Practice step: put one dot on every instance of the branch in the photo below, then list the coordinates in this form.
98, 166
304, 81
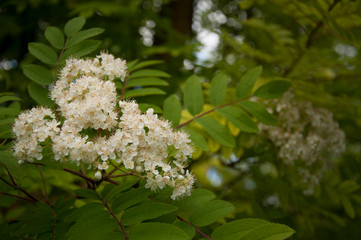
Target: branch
44, 186
115, 217
17, 187
79, 175
195, 228
19, 197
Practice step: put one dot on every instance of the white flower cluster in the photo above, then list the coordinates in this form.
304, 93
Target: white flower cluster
307, 137
87, 100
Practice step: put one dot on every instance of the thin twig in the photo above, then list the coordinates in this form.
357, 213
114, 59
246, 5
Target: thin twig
79, 175
17, 196
115, 217
111, 181
195, 228
54, 223
123, 87
120, 175
17, 187
44, 186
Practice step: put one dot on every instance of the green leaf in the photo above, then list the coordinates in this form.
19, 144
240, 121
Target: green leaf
38, 74
209, 212
9, 98
145, 106
217, 131
217, 91
198, 197
6, 121
144, 64
151, 81
81, 49
260, 112
251, 229
43, 53
87, 193
348, 186
130, 198
346, 203
9, 111
239, 119
189, 230
157, 231
40, 94
193, 95
273, 89
247, 82
55, 37
125, 183
82, 35
172, 110
197, 139
146, 211
132, 63
74, 25
143, 92
149, 73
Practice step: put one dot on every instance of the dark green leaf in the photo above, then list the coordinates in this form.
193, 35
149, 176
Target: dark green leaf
149, 73
6, 121
87, 193
130, 198
247, 82
189, 230
172, 110
125, 183
55, 37
217, 131
144, 64
198, 197
40, 94
209, 212
198, 140
74, 25
81, 49
239, 119
9, 111
273, 89
347, 205
9, 98
146, 211
157, 231
43, 53
38, 74
151, 81
217, 91
143, 92
82, 35
193, 95
260, 112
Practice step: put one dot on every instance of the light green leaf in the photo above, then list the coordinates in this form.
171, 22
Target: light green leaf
143, 92
157, 231
132, 63
193, 95
144, 64
9, 98
82, 35
87, 193
38, 74
239, 119
74, 25
40, 94
145, 106
149, 73
252, 229
217, 131
260, 112
43, 53
218, 88
197, 139
172, 110
151, 81
247, 82
273, 89
55, 37
81, 49
146, 211
210, 212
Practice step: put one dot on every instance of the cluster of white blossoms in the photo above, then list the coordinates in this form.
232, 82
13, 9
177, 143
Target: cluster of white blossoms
307, 137
87, 100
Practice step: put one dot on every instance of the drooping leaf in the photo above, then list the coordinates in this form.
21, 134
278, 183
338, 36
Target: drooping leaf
260, 112
143, 92
38, 74
198, 197
247, 82
82, 35
157, 231
239, 119
149, 73
146, 211
40, 94
273, 89
209, 212
197, 139
44, 53
130, 198
172, 110
217, 131
254, 229
149, 81
217, 91
144, 64
74, 25
193, 95
55, 37
81, 49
